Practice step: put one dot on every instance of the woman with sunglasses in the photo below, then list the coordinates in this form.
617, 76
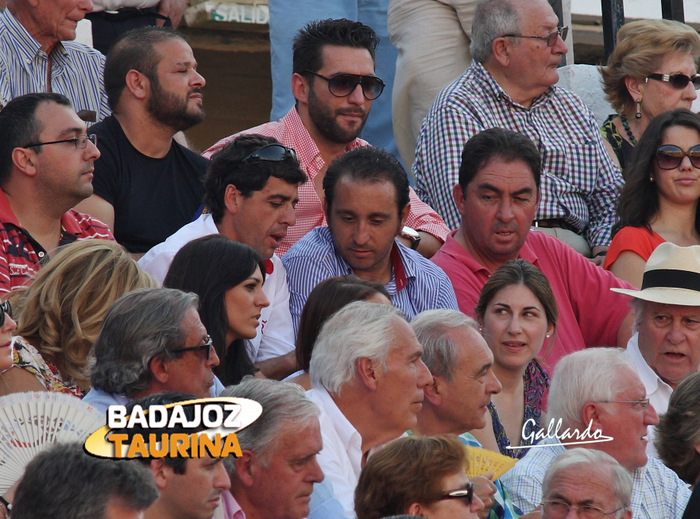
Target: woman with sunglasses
659, 201
228, 277
421, 476
61, 312
653, 69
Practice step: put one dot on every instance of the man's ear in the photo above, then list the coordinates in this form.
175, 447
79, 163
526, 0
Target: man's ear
137, 83
161, 473
231, 195
25, 160
415, 509
246, 467
433, 392
300, 88
500, 51
367, 372
591, 414
404, 214
159, 369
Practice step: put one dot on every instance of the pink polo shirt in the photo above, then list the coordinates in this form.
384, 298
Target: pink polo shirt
589, 313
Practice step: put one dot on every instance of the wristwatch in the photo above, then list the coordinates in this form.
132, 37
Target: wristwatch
411, 235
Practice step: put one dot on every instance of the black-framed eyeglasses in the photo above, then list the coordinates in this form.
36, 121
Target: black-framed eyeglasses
5, 309
557, 509
550, 39
80, 142
272, 153
342, 85
670, 156
466, 494
679, 81
206, 347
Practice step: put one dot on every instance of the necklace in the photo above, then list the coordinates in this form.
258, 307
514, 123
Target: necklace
626, 126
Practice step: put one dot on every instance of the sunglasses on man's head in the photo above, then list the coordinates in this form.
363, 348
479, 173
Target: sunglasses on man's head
670, 156
678, 81
342, 85
271, 153
5, 309
466, 494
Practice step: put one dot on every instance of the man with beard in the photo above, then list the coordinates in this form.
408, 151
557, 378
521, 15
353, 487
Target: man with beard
332, 58
147, 185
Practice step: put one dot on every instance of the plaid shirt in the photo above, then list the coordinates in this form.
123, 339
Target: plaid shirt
291, 132
657, 492
580, 182
76, 69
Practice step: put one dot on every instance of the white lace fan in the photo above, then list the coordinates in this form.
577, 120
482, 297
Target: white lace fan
34, 421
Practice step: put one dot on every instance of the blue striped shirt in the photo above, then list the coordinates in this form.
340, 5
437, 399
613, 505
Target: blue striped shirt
76, 69
579, 180
314, 258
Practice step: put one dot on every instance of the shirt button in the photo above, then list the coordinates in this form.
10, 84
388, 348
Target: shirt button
41, 254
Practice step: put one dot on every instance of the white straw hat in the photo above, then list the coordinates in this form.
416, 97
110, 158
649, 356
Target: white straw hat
671, 276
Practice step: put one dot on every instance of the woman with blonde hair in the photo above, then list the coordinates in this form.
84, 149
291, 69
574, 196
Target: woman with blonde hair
60, 314
652, 70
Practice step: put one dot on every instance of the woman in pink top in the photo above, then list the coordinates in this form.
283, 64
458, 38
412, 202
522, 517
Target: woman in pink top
660, 198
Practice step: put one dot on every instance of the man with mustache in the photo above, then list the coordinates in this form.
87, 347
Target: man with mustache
250, 192
334, 86
147, 185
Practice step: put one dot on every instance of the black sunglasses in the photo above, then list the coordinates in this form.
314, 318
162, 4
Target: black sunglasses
679, 81
670, 156
5, 308
272, 153
550, 39
206, 347
342, 85
466, 494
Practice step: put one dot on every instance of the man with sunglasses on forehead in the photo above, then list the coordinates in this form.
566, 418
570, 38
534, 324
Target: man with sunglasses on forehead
517, 48
334, 85
147, 185
250, 192
46, 167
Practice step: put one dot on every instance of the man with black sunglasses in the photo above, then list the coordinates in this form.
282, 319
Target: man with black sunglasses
517, 47
334, 85
147, 185
46, 167
250, 193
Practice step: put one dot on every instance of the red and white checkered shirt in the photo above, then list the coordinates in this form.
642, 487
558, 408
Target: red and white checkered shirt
291, 132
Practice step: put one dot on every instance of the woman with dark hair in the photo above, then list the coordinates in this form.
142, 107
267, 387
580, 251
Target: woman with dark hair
517, 313
325, 299
660, 198
228, 277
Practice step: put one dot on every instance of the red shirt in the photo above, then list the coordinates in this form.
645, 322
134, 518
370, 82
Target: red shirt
589, 313
20, 254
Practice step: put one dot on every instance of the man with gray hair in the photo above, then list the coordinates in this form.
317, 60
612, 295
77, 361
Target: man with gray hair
276, 472
65, 482
152, 340
517, 47
588, 481
598, 400
367, 377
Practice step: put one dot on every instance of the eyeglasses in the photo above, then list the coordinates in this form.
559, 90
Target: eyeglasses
558, 509
670, 156
79, 142
342, 85
206, 347
272, 153
551, 38
5, 309
637, 404
679, 81
466, 494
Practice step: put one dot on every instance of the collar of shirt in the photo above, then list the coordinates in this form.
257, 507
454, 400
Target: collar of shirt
497, 91
24, 44
348, 435
657, 390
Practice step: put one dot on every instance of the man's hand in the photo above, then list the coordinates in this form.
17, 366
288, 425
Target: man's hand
173, 9
485, 490
598, 254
